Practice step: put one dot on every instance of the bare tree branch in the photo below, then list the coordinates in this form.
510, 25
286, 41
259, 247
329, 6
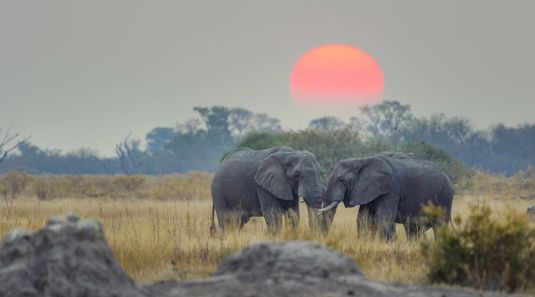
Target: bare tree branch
127, 155
8, 143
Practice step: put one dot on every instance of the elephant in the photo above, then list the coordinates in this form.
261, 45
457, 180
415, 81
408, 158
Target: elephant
269, 183
390, 188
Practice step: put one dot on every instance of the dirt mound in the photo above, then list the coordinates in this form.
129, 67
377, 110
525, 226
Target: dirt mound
70, 257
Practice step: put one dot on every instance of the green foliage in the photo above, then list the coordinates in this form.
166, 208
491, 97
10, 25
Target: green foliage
329, 146
453, 168
484, 252
434, 213
263, 140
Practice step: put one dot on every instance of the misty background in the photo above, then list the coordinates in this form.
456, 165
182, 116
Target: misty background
88, 74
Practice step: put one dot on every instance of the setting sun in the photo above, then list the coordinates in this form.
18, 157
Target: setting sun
336, 73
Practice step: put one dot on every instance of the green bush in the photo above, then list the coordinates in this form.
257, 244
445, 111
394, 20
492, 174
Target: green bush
484, 252
262, 140
329, 146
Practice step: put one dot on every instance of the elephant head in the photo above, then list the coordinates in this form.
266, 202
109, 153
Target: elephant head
290, 175
356, 182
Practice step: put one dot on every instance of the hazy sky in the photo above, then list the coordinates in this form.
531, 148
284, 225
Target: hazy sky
85, 73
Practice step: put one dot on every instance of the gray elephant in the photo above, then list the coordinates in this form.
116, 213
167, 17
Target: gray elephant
266, 183
390, 188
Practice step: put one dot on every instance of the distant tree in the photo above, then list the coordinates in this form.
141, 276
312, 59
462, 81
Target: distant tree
217, 125
157, 138
28, 149
129, 155
514, 146
326, 123
198, 143
387, 119
243, 121
8, 142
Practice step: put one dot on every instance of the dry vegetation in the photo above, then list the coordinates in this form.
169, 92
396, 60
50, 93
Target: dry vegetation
158, 227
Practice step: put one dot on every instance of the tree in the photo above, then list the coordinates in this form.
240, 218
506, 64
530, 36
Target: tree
243, 121
387, 119
157, 138
326, 123
8, 142
129, 155
217, 126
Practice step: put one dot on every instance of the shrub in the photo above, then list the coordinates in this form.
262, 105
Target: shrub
52, 187
129, 183
13, 184
329, 146
484, 252
262, 140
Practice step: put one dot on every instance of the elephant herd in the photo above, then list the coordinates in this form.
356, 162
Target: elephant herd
388, 187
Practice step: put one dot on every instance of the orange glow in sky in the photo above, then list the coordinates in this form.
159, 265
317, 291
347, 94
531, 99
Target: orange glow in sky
336, 73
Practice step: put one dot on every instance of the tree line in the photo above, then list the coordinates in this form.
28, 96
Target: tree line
200, 142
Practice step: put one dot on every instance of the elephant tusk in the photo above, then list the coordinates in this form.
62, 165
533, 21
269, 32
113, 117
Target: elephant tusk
301, 199
330, 206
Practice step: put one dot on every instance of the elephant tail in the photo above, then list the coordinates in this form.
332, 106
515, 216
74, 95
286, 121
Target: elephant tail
212, 226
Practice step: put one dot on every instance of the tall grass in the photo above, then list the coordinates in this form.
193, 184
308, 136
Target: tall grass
163, 233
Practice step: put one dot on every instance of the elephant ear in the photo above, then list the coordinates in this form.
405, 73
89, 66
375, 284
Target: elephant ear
374, 180
271, 176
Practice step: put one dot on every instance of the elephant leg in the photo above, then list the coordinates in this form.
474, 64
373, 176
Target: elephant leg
231, 219
411, 231
385, 209
273, 220
224, 219
272, 211
414, 229
365, 222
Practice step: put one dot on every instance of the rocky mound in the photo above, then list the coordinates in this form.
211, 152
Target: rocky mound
70, 257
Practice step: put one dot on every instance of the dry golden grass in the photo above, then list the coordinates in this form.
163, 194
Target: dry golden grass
169, 239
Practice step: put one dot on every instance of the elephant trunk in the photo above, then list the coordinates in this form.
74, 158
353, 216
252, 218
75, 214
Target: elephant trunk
311, 192
333, 196
327, 218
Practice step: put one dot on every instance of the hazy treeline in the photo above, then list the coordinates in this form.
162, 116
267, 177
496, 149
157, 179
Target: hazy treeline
499, 148
196, 144
199, 143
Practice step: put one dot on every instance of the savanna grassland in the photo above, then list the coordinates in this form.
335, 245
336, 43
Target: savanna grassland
158, 227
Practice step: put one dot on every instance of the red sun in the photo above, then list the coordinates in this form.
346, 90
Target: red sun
336, 73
